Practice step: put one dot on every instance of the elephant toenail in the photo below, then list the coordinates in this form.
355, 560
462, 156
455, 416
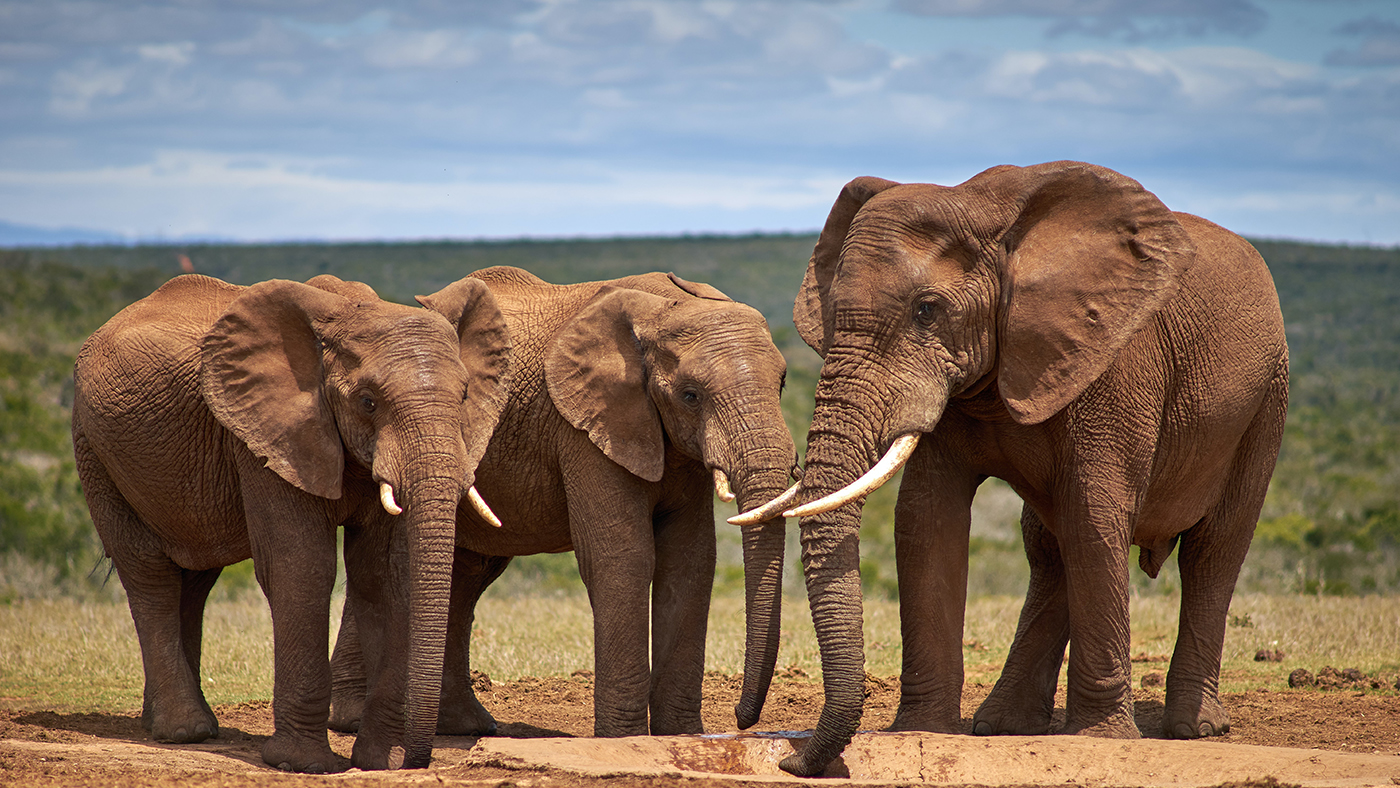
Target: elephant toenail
284, 766
1184, 730
982, 728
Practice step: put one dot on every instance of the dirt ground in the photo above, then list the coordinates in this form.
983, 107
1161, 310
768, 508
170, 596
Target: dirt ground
44, 748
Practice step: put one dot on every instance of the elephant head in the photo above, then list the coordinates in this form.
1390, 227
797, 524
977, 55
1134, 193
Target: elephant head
1025, 281
310, 376
693, 369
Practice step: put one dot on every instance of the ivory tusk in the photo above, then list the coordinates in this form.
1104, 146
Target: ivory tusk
479, 504
386, 498
767, 511
888, 466
722, 486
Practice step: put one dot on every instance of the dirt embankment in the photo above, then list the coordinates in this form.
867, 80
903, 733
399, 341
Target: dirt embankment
1354, 732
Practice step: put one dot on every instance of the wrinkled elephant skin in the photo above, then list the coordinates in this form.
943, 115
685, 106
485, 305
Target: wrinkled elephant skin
1121, 366
213, 423
629, 400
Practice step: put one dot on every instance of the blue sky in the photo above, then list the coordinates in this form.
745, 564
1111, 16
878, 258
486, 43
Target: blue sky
302, 119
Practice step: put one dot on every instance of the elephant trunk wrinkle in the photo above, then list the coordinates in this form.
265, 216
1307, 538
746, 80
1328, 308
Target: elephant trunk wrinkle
430, 567
764, 545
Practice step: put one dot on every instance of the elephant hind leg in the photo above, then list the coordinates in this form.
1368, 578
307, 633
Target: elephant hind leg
460, 712
349, 684
1210, 557
173, 708
195, 586
1023, 699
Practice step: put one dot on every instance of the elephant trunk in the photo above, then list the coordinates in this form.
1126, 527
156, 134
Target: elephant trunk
428, 487
764, 547
431, 542
841, 446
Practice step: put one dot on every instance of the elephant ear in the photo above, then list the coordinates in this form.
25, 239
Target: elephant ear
812, 312
355, 291
699, 289
596, 374
261, 374
470, 305
1090, 256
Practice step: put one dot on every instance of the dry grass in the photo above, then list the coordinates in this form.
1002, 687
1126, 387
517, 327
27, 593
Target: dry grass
66, 654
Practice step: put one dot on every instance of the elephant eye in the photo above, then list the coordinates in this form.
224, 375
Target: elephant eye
367, 402
690, 396
466, 394
926, 313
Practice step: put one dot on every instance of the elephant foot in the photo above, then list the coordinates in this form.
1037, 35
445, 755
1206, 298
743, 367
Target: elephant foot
1119, 725
468, 718
194, 725
677, 727
926, 717
376, 754
1209, 720
994, 719
305, 755
346, 713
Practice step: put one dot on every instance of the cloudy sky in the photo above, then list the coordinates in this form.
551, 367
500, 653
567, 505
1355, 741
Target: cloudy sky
350, 119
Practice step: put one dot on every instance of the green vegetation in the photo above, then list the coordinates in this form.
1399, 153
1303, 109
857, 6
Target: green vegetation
1331, 525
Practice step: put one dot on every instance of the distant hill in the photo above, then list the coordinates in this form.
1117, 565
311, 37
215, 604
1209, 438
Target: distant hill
1331, 523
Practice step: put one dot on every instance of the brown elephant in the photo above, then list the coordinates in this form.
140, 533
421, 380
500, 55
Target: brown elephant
1121, 366
630, 402
213, 423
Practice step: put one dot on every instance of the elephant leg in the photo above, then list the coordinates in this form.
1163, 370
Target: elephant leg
367, 666
294, 560
933, 519
173, 708
349, 685
611, 528
1023, 699
1210, 556
1099, 695
460, 713
680, 609
195, 586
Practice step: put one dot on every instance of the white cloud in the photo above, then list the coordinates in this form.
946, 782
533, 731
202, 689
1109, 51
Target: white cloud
75, 89
177, 54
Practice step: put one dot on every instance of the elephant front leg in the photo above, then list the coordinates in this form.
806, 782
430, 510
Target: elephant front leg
296, 569
612, 534
1023, 699
680, 607
460, 712
1099, 695
932, 524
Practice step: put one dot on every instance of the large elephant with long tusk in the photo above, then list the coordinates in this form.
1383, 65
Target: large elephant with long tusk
213, 423
634, 402
1121, 366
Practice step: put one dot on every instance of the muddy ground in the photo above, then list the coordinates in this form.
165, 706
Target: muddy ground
45, 748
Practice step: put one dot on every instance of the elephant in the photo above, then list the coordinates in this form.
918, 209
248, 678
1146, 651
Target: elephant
630, 400
1121, 366
214, 422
